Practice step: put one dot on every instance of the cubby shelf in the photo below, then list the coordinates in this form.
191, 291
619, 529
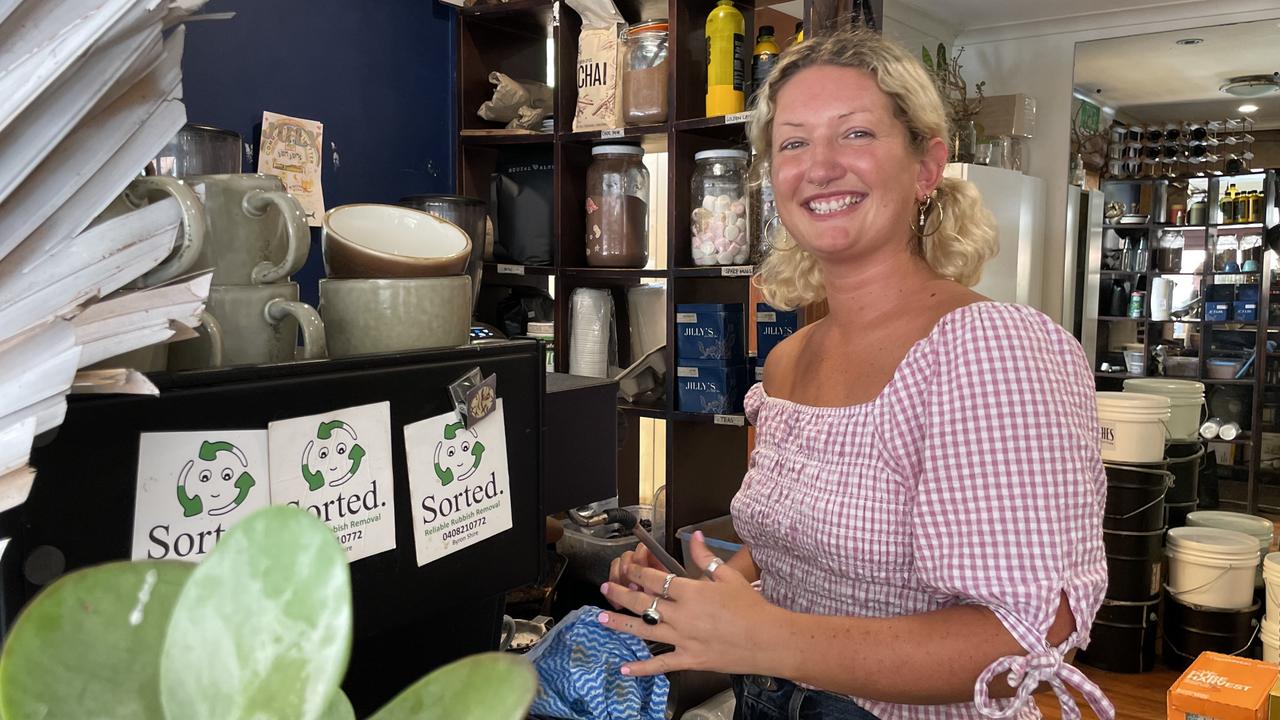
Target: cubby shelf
706, 455
1214, 338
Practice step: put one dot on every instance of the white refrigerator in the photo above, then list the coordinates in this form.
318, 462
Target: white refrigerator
1018, 203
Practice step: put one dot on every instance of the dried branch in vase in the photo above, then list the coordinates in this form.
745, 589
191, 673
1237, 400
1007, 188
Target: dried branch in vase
952, 86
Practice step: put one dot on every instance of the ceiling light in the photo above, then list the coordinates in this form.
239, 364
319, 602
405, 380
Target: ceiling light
1251, 86
1247, 108
1188, 41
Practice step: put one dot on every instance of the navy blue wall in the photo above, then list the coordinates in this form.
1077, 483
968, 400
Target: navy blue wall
378, 73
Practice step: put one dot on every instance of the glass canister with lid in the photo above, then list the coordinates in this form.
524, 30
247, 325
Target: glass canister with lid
718, 197
617, 207
645, 78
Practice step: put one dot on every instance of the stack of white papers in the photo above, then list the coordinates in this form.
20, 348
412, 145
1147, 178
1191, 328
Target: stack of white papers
90, 91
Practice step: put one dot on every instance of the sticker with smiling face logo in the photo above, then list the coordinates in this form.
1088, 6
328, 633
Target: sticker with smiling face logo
459, 454
216, 482
333, 454
338, 466
194, 486
459, 482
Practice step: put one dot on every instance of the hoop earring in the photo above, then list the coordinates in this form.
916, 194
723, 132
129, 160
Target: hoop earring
775, 233
924, 210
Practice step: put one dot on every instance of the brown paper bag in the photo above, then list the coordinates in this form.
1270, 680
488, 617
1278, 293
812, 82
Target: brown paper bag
599, 81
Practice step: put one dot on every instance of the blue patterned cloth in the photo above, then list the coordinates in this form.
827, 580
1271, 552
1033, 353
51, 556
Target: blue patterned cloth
578, 666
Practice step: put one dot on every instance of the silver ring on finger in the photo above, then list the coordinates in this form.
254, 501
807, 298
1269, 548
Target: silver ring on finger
666, 586
713, 566
651, 616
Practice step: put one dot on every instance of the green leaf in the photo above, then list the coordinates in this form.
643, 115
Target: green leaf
926, 57
89, 645
339, 708
942, 58
263, 628
489, 686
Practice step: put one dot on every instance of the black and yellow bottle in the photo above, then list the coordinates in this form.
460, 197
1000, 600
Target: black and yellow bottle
799, 33
763, 58
726, 60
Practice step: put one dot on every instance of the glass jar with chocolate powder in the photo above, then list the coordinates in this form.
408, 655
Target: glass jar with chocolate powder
617, 207
644, 78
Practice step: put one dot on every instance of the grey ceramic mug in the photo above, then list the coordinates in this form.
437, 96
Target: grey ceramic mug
191, 235
257, 232
371, 316
259, 326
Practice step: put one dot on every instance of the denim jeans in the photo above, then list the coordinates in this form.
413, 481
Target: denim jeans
766, 698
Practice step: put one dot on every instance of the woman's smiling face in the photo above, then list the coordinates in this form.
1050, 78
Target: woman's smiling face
845, 177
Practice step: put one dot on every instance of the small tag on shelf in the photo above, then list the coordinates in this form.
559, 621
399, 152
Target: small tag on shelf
760, 374
735, 420
738, 117
612, 133
737, 270
766, 317
510, 269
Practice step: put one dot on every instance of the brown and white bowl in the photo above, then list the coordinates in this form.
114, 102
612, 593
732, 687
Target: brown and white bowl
389, 241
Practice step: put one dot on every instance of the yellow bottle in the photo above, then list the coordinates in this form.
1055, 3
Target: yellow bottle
726, 60
799, 33
763, 58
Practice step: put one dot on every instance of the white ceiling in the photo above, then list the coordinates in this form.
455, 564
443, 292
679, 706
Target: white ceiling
973, 14
1150, 78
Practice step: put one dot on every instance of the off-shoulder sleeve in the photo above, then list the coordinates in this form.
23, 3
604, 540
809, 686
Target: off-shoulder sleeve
1011, 491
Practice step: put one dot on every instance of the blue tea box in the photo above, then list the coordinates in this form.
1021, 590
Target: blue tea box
1247, 292
1217, 311
708, 386
772, 327
706, 331
1245, 311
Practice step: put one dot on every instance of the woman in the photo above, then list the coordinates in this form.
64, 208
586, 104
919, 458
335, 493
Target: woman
923, 505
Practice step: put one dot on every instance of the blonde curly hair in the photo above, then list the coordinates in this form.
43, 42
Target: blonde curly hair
790, 277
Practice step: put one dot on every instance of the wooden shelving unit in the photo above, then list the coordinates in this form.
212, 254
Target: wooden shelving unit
706, 454
1215, 338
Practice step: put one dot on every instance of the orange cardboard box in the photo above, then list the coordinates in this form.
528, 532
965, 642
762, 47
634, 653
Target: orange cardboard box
1223, 687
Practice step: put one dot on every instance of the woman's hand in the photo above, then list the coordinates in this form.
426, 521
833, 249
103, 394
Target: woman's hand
712, 625
620, 568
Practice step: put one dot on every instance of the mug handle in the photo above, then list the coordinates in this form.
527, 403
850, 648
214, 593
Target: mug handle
213, 329
314, 345
193, 226
255, 205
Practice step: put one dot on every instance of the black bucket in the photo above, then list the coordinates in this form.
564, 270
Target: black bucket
1192, 629
1133, 565
1175, 514
1135, 497
1184, 460
1123, 638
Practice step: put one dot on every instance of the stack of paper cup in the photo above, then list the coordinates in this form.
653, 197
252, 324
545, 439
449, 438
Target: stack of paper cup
591, 321
1270, 630
647, 311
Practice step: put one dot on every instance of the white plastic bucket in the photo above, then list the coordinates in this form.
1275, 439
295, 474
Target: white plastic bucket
1271, 575
1186, 401
1212, 567
1251, 525
1132, 426
1270, 634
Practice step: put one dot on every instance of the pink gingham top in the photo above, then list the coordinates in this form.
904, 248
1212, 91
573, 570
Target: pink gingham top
973, 478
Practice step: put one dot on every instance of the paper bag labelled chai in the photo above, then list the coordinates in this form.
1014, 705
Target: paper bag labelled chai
599, 68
